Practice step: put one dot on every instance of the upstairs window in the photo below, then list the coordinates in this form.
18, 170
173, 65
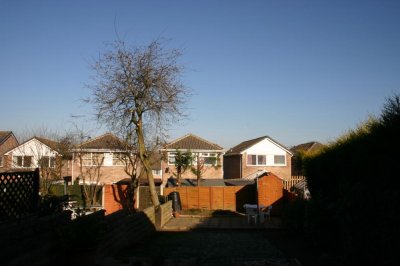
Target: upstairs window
1, 161
279, 160
256, 159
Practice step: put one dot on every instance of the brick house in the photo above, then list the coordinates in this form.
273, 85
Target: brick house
100, 160
261, 154
209, 153
40, 153
7, 142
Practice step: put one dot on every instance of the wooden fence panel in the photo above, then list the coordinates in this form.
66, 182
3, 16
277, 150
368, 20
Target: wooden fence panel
208, 198
205, 198
288, 184
217, 198
192, 197
230, 198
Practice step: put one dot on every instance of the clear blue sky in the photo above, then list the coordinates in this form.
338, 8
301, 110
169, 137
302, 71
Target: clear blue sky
294, 70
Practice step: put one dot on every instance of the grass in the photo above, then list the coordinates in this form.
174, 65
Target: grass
211, 247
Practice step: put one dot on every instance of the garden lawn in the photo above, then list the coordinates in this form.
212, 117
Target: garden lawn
210, 247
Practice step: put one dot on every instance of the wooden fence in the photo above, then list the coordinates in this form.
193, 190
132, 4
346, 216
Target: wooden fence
215, 198
19, 194
288, 184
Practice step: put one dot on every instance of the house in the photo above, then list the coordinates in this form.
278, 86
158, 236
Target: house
301, 149
260, 154
7, 142
34, 153
101, 160
209, 154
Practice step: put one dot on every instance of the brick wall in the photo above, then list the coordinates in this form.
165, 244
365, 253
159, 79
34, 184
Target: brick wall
270, 189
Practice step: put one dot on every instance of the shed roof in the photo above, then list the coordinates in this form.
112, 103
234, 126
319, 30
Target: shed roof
192, 142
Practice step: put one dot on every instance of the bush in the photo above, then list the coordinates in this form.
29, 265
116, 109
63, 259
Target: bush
353, 192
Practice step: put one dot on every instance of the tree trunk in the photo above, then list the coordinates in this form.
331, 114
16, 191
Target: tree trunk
144, 158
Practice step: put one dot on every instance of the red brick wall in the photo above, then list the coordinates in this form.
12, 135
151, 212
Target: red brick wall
9, 144
270, 189
113, 198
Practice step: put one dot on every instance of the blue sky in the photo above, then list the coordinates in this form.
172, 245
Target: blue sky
294, 70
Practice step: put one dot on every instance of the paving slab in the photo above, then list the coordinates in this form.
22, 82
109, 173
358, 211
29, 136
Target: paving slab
185, 223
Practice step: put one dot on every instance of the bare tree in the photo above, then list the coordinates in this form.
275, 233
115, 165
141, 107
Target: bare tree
138, 90
201, 165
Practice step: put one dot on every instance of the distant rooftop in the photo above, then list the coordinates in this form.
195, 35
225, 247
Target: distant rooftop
192, 142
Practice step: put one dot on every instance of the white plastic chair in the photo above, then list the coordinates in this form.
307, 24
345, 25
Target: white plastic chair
266, 214
251, 212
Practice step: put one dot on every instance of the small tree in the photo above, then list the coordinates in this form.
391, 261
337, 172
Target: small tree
200, 165
183, 161
139, 89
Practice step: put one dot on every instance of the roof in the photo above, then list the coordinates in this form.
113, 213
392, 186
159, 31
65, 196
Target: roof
249, 143
192, 142
107, 141
54, 145
4, 135
309, 146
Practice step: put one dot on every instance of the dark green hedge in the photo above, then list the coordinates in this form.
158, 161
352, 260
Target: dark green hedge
355, 191
75, 193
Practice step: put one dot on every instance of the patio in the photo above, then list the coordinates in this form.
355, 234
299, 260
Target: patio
189, 222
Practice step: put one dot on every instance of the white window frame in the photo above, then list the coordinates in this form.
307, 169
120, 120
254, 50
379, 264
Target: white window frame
22, 161
51, 158
156, 172
278, 164
171, 155
257, 164
91, 159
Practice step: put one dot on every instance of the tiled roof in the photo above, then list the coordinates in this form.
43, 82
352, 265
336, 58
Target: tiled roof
248, 143
309, 146
54, 145
107, 141
4, 135
192, 142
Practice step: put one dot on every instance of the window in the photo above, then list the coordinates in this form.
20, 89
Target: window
279, 159
47, 161
209, 158
171, 158
86, 159
156, 172
22, 161
1, 161
256, 159
92, 159
97, 158
119, 159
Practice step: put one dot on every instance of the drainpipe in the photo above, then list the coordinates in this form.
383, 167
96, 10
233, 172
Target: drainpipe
72, 169
258, 204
